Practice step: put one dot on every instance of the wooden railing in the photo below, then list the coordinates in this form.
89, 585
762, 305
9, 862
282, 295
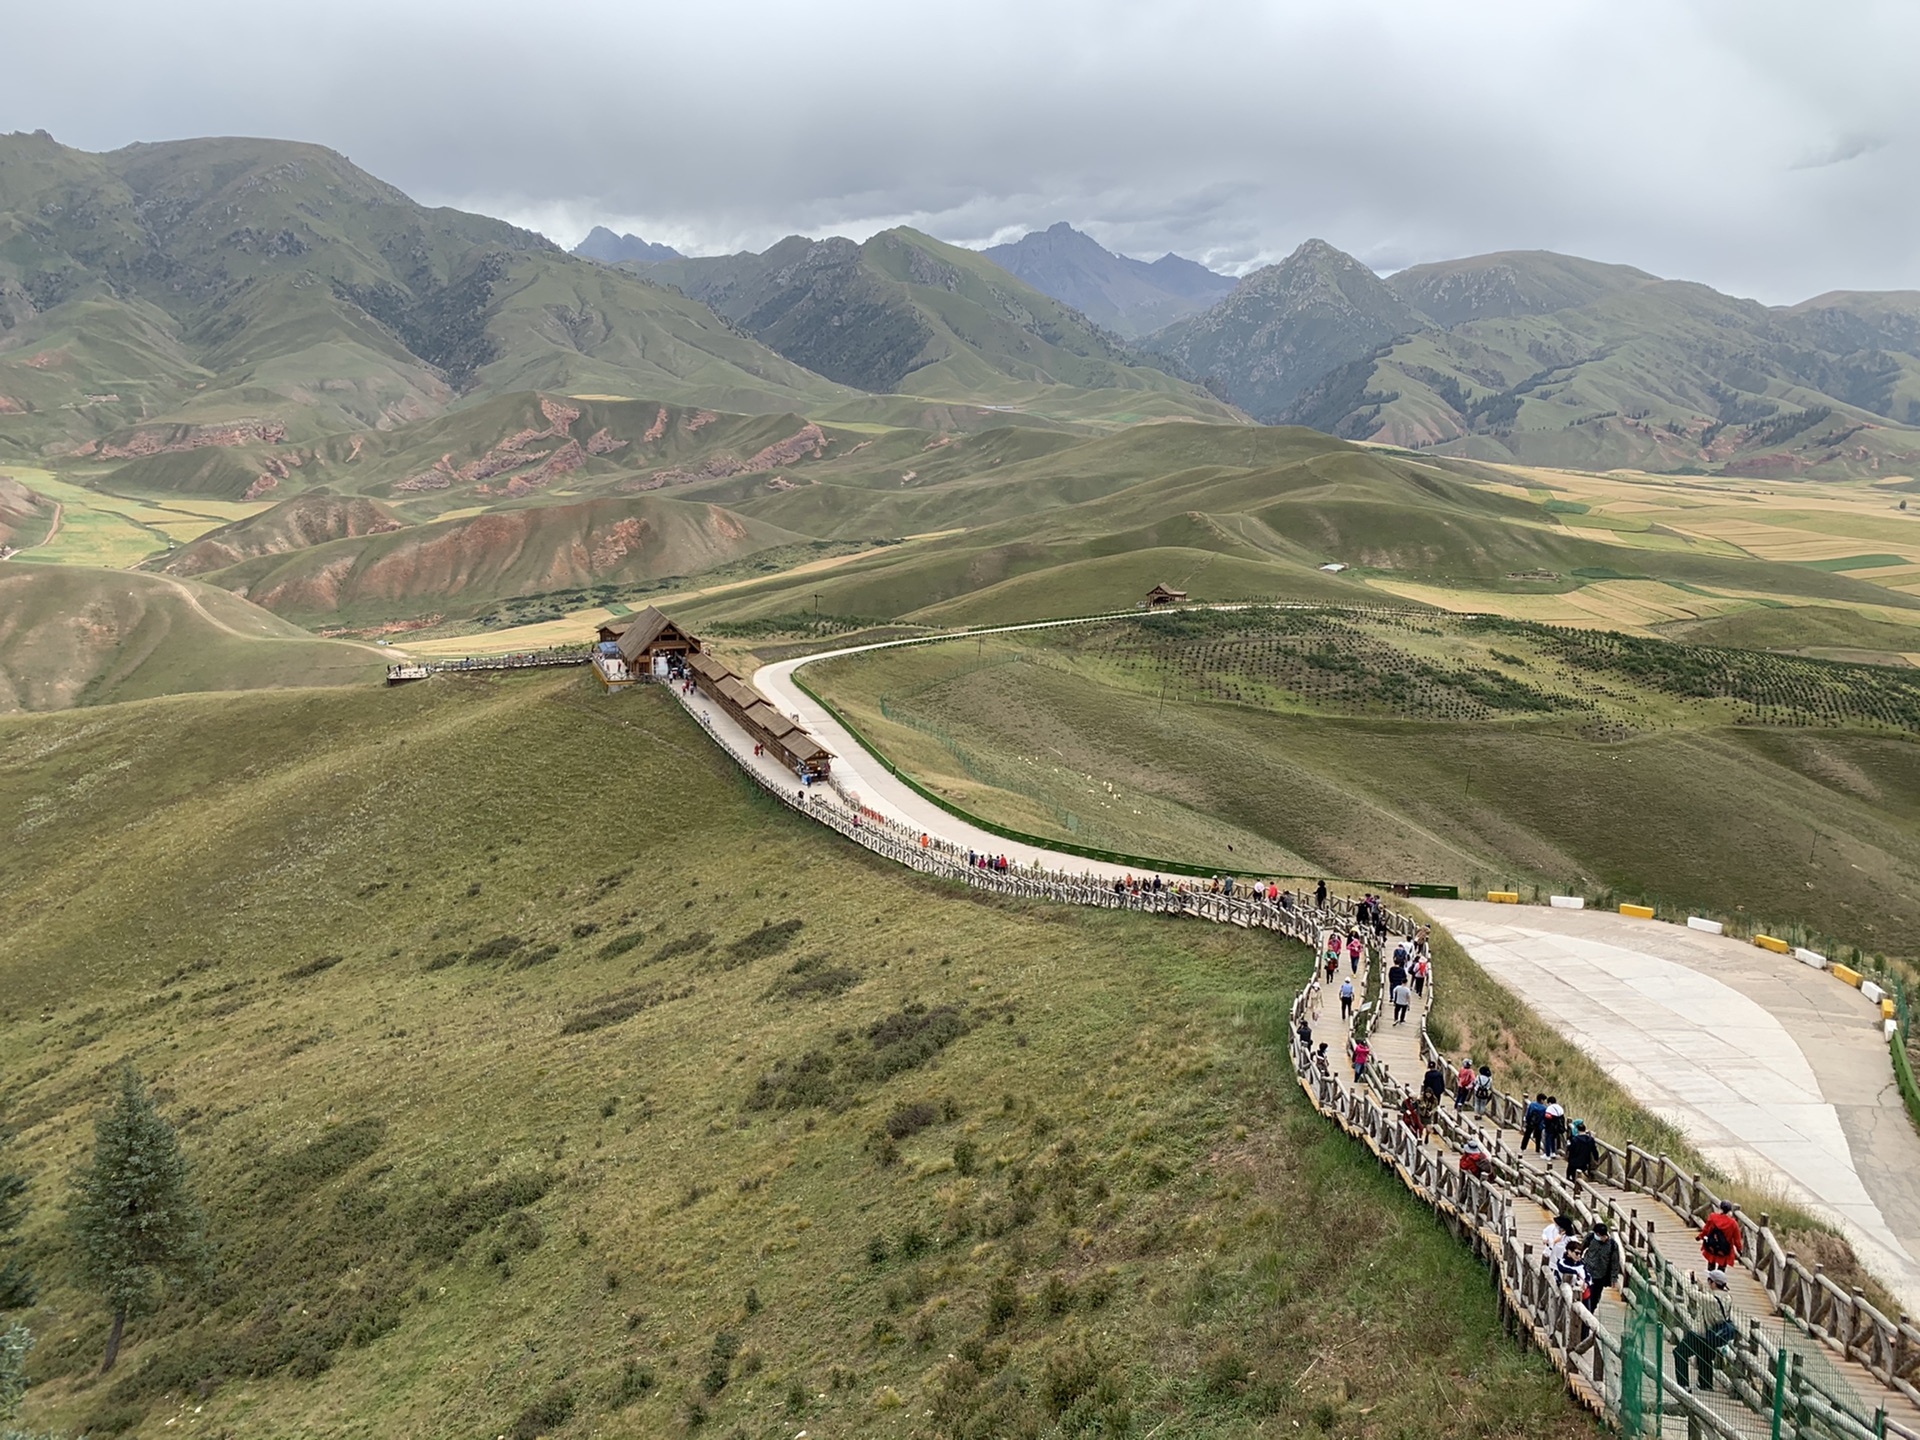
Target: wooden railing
1843, 1319
1481, 1210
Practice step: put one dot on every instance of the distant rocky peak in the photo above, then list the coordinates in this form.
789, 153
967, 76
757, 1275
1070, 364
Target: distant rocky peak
610, 249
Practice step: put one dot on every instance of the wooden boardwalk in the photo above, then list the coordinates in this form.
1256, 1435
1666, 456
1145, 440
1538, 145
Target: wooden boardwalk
1832, 1369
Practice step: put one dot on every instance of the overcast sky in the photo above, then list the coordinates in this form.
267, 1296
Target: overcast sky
1770, 149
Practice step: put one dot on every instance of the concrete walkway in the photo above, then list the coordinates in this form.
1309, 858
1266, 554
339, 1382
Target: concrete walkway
858, 773
1776, 1072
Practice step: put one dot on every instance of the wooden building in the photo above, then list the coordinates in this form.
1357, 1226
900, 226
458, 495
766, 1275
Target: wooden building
1164, 595
650, 643
781, 737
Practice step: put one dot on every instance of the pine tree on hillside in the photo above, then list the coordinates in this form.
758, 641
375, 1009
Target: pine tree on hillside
134, 1215
17, 1289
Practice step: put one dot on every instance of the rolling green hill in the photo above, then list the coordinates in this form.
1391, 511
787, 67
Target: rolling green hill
906, 313
477, 1003
1241, 514
1765, 789
75, 636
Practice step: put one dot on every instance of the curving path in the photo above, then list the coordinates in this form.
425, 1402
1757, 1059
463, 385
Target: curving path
1775, 1071
864, 778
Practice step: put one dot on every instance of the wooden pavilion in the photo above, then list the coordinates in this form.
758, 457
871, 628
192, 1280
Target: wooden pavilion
650, 642
1164, 595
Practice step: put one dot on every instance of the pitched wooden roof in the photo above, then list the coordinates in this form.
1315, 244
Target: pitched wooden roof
649, 626
1166, 592
738, 693
770, 720
710, 667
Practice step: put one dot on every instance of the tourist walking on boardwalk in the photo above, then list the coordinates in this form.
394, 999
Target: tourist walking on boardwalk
1402, 999
1353, 951
1602, 1258
1583, 1152
1463, 1086
1346, 999
1435, 1084
1554, 1237
1553, 1127
1533, 1122
1483, 1090
1710, 1329
1362, 1055
1720, 1243
1320, 895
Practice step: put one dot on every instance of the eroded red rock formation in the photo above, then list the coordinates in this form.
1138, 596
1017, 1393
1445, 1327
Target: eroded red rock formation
178, 438
808, 440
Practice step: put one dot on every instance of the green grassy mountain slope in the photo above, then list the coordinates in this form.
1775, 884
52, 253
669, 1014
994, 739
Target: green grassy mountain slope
1130, 297
464, 997
215, 282
1431, 748
76, 636
904, 312
1286, 326
1521, 282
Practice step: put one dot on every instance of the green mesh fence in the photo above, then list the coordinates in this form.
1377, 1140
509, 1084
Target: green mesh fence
1642, 1365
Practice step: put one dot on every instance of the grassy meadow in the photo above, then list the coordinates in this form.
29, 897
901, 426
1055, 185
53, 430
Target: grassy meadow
540, 1078
1771, 789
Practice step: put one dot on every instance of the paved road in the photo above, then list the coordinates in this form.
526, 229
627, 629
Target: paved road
1775, 1071
860, 774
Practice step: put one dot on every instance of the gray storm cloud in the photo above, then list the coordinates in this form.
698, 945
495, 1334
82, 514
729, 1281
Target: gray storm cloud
1770, 149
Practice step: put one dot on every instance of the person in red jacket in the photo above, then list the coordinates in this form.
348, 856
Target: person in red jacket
1720, 1243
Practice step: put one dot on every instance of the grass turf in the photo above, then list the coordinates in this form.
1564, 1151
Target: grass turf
465, 997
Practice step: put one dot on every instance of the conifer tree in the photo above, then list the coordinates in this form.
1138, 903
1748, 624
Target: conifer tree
135, 1219
17, 1289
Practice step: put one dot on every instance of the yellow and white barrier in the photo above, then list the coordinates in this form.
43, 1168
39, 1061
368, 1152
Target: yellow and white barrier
1851, 977
1712, 927
1504, 897
1638, 912
1810, 957
1567, 902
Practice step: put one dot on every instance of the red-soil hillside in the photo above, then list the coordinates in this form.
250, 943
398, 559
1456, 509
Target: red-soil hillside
481, 558
296, 524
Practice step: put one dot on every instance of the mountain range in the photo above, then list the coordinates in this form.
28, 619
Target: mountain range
1551, 359
905, 313
240, 294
